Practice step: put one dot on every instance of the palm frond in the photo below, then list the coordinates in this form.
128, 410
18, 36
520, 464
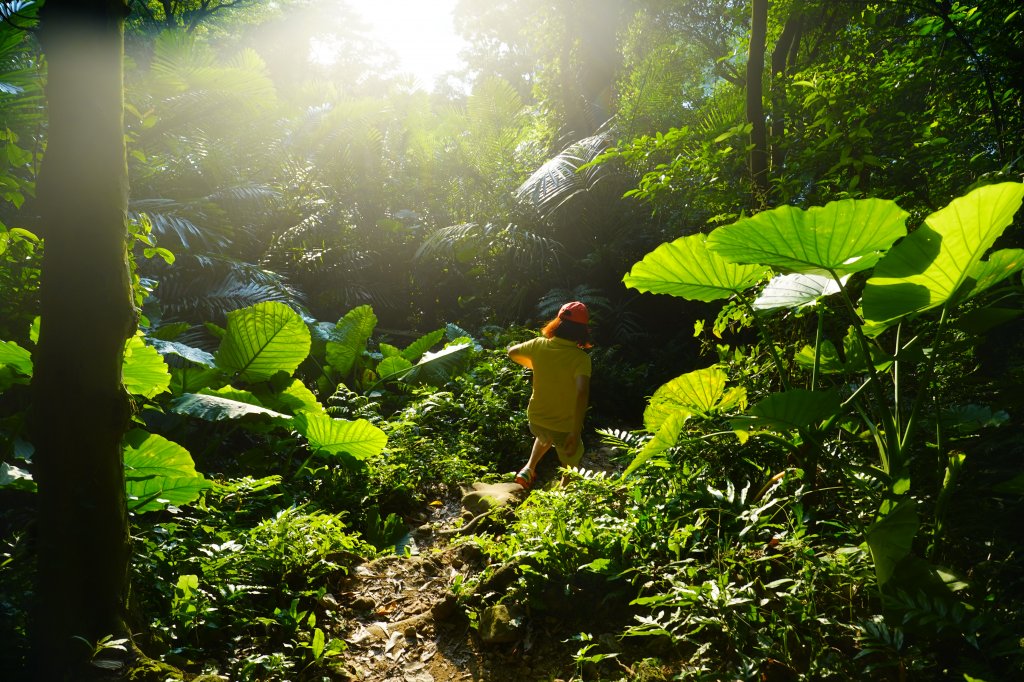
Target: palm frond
169, 225
593, 298
205, 288
565, 175
524, 248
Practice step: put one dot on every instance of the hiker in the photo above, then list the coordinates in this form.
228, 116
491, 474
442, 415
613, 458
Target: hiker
561, 387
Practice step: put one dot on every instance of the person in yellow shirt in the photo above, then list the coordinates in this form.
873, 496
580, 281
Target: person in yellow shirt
561, 387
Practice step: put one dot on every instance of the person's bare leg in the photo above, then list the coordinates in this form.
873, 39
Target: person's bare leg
540, 448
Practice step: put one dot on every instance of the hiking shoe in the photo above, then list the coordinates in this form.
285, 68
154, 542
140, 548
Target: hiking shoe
525, 478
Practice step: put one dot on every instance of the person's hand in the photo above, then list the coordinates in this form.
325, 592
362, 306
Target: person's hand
570, 442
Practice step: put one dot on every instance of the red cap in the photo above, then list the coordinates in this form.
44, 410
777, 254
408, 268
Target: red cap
574, 311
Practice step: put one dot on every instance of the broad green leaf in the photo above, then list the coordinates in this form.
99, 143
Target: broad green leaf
13, 355
456, 334
796, 290
296, 398
168, 332
687, 268
1000, 265
927, 269
665, 437
192, 379
831, 363
359, 439
392, 366
417, 348
387, 350
891, 537
841, 237
196, 355
317, 648
349, 338
263, 340
437, 369
216, 408
700, 392
143, 370
791, 410
158, 472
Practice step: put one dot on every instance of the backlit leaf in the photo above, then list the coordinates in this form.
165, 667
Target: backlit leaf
687, 268
349, 338
143, 370
158, 472
359, 439
928, 267
842, 236
263, 340
790, 410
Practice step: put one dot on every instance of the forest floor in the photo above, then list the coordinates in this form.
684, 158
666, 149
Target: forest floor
404, 621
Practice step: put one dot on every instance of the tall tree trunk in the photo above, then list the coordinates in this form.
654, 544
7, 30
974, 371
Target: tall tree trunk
79, 407
755, 102
783, 58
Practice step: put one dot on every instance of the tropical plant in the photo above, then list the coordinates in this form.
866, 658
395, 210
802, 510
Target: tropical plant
818, 253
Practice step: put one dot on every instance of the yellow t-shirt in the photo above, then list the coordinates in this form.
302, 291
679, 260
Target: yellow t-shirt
556, 364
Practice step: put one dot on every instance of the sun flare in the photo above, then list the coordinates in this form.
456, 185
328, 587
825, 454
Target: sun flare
420, 34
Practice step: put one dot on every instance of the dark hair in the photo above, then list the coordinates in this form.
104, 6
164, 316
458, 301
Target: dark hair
568, 330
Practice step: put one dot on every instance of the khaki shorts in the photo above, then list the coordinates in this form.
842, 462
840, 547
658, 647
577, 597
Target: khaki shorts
557, 439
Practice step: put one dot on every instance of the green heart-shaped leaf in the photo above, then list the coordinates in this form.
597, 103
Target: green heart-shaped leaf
263, 340
688, 269
143, 369
158, 472
840, 237
927, 269
701, 392
796, 290
359, 439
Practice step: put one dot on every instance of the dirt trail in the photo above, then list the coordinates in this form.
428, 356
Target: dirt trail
403, 622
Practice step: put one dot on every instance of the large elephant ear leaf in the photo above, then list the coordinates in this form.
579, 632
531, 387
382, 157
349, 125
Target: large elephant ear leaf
891, 537
263, 340
929, 267
840, 237
698, 393
790, 410
417, 348
143, 369
664, 438
437, 369
159, 472
796, 290
998, 267
358, 439
349, 337
688, 269
220, 406
13, 355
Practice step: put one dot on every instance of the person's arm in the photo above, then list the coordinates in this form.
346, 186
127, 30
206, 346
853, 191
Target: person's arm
580, 411
515, 354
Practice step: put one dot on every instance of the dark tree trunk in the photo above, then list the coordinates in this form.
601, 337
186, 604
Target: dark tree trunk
783, 58
79, 407
755, 101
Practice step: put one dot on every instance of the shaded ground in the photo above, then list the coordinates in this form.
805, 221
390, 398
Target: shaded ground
403, 620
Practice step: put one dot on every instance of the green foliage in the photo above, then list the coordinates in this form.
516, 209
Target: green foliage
158, 473
243, 572
263, 340
931, 268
